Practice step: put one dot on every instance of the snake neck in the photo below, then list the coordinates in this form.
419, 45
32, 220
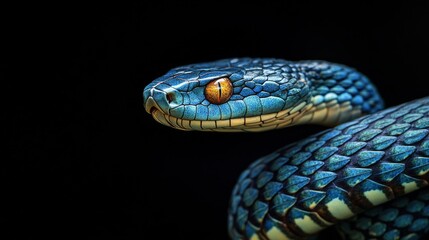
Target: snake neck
337, 94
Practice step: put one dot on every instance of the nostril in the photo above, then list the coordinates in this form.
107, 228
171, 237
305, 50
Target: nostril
170, 97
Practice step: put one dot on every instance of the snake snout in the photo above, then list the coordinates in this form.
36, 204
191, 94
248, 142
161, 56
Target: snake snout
160, 104
161, 99
151, 105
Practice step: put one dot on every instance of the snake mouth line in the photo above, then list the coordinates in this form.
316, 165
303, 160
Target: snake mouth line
247, 124
330, 113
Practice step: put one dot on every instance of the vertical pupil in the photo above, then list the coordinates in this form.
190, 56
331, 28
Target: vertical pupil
219, 87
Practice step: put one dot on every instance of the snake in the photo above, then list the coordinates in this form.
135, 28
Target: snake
366, 174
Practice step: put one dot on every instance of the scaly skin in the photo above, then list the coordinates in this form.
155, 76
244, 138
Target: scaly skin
267, 94
332, 176
324, 179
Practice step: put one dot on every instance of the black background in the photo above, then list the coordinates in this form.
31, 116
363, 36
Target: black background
86, 159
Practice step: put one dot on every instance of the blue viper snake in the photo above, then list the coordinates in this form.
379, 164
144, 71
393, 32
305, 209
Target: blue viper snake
366, 176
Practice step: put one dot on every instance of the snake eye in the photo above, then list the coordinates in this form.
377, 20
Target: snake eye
219, 91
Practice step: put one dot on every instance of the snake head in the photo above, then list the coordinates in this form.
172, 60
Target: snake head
229, 95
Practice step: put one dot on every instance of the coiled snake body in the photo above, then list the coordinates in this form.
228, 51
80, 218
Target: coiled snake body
367, 175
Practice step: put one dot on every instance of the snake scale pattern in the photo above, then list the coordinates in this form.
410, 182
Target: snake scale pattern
367, 176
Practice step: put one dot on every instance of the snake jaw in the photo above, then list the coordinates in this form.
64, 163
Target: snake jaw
330, 113
266, 122
162, 118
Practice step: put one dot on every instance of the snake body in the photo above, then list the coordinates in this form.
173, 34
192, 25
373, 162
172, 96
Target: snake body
368, 174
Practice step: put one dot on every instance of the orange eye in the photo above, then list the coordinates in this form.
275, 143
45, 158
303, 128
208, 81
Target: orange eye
219, 91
